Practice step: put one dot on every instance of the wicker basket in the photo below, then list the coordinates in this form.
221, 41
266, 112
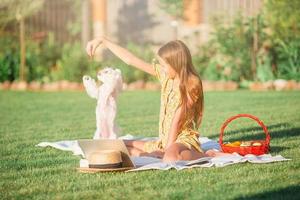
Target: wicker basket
256, 147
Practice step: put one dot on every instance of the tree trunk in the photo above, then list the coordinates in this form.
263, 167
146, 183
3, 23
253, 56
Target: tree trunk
193, 12
254, 48
22, 50
85, 34
99, 23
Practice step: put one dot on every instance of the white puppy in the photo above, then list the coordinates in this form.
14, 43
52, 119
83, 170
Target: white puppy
106, 95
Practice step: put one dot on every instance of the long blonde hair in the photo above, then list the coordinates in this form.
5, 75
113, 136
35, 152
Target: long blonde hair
178, 56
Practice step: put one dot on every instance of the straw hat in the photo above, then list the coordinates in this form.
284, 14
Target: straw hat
105, 159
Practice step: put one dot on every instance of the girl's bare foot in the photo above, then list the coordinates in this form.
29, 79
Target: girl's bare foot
214, 153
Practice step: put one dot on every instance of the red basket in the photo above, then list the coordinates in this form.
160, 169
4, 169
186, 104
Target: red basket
244, 150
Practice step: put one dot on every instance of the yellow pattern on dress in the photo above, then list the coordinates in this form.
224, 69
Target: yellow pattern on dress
170, 100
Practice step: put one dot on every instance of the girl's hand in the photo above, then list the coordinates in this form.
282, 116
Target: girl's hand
92, 45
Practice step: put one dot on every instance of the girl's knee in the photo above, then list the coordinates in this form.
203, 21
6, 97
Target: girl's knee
133, 151
138, 144
135, 144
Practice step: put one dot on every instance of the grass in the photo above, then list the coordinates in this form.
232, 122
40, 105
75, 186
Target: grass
29, 172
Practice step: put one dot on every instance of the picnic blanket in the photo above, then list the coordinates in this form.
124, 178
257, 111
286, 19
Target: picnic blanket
148, 163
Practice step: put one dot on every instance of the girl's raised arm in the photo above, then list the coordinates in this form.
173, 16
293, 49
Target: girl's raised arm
121, 52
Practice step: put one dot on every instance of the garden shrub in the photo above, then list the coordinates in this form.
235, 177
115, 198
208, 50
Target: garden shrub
227, 55
9, 59
283, 21
73, 64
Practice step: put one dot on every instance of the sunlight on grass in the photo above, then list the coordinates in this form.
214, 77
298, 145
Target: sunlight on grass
28, 118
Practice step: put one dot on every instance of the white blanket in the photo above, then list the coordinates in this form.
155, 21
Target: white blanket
146, 163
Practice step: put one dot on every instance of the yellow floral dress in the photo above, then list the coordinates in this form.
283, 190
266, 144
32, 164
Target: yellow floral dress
170, 99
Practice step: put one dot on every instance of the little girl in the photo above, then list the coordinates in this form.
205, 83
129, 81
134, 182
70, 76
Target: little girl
181, 108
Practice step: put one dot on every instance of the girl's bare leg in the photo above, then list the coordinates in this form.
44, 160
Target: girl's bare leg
134, 151
179, 151
135, 148
135, 143
155, 154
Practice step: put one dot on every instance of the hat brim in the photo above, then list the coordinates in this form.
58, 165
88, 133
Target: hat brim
96, 170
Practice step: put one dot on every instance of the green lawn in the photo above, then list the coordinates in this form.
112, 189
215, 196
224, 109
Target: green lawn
27, 118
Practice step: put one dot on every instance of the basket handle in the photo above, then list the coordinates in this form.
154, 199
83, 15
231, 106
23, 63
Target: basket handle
244, 115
